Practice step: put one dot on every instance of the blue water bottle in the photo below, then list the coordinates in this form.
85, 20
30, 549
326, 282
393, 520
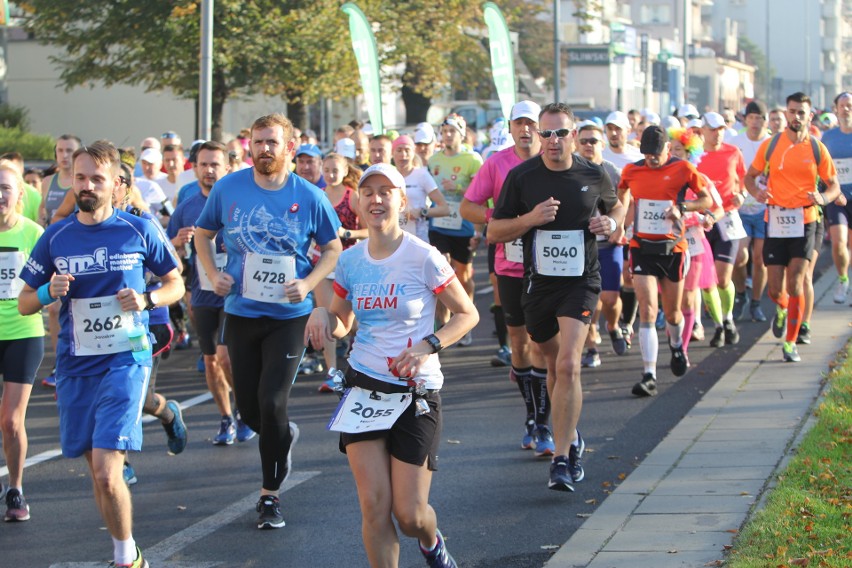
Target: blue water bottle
137, 335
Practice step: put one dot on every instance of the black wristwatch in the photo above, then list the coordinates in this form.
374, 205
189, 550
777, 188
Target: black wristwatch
347, 234
424, 213
682, 207
433, 342
150, 300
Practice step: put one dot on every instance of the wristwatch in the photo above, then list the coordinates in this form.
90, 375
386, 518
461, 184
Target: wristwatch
347, 234
424, 213
682, 207
433, 342
150, 300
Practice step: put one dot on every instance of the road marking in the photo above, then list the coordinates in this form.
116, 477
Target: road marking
160, 552
51, 454
487, 290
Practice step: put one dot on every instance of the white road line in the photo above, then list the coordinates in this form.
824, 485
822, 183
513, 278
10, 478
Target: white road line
159, 553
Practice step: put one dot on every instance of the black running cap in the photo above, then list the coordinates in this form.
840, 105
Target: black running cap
653, 140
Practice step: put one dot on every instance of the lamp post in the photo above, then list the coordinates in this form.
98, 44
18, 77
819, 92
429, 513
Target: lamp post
557, 75
205, 83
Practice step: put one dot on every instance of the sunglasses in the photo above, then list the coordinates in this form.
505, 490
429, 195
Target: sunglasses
561, 133
588, 141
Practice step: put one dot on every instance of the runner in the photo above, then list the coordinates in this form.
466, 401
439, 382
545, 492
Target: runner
94, 263
268, 219
658, 250
791, 195
551, 202
21, 337
393, 458
838, 142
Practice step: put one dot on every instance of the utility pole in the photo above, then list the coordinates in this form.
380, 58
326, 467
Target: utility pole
205, 86
557, 52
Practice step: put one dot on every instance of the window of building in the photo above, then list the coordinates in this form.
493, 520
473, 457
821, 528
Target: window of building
655, 14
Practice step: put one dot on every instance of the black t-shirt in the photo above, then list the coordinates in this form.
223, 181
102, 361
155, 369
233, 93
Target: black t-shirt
581, 190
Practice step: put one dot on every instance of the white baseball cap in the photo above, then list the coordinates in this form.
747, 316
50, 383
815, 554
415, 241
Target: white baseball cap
688, 111
713, 120
386, 170
618, 119
424, 135
652, 118
695, 123
525, 109
152, 156
346, 148
670, 122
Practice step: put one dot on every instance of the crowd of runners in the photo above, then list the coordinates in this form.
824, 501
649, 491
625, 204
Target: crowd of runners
278, 258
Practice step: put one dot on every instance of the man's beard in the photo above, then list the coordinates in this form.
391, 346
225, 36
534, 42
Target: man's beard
269, 167
90, 202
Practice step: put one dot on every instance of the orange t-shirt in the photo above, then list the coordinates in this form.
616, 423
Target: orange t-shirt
793, 172
659, 184
725, 167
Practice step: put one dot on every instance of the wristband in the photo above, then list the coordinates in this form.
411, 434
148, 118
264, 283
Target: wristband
710, 214
612, 224
43, 295
682, 207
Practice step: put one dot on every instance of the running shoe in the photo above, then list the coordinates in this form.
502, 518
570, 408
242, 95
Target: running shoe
661, 319
327, 385
270, 516
757, 312
718, 337
544, 445
183, 341
130, 474
227, 432
740, 303
200, 366
50, 380
627, 334
140, 562
503, 357
590, 359
697, 331
17, 509
176, 431
679, 363
647, 386
841, 292
466, 340
791, 354
575, 466
779, 322
619, 343
732, 336
244, 433
528, 441
560, 475
804, 337
439, 557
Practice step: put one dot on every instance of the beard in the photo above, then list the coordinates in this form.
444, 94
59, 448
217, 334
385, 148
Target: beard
89, 202
268, 167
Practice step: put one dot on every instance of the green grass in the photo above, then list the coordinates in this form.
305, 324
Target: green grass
807, 519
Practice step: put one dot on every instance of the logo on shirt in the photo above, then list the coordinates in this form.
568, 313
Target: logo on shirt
294, 208
372, 296
637, 268
584, 188
95, 263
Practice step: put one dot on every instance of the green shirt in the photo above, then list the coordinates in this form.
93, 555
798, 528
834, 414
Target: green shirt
15, 247
32, 201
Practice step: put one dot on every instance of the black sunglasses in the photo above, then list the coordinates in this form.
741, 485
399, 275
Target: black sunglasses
561, 133
588, 141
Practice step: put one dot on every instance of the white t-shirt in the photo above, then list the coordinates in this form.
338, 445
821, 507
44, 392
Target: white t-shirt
171, 189
631, 154
394, 302
418, 185
749, 149
151, 192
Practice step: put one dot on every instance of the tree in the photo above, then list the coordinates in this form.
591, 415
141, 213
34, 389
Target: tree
764, 73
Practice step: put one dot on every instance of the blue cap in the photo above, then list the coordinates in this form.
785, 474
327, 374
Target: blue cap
310, 150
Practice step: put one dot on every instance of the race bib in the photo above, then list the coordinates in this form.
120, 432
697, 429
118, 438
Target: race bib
731, 227
651, 217
220, 259
786, 223
695, 240
560, 253
514, 251
99, 326
264, 277
361, 410
453, 221
10, 266
844, 170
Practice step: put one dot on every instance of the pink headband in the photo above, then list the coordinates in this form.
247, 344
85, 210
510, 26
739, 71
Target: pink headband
400, 140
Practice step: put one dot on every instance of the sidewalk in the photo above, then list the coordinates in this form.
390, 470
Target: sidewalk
690, 496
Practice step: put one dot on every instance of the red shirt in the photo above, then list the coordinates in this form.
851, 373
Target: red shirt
726, 168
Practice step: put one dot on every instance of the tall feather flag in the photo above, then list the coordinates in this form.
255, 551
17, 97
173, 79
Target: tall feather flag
364, 46
502, 56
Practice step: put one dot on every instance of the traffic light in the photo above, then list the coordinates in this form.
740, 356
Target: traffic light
660, 76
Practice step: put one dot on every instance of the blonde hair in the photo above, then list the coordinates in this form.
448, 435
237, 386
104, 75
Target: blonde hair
8, 166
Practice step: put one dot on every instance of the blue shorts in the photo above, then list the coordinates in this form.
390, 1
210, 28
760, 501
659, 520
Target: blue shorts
755, 225
612, 264
837, 215
102, 412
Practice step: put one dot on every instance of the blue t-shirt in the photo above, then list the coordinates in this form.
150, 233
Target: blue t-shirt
188, 191
261, 228
103, 259
157, 316
185, 215
839, 145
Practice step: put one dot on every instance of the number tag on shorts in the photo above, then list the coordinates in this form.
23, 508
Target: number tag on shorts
844, 170
220, 260
731, 226
695, 241
361, 411
514, 251
651, 217
10, 266
560, 253
99, 326
453, 221
264, 277
786, 223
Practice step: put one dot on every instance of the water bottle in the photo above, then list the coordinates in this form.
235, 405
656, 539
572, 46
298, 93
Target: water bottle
336, 376
137, 335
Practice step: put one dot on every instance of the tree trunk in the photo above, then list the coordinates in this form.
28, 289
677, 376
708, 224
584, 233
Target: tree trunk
219, 96
298, 113
416, 105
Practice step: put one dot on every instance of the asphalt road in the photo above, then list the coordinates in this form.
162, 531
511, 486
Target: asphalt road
197, 509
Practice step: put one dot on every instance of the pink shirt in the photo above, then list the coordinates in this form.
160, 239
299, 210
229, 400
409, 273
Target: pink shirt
487, 185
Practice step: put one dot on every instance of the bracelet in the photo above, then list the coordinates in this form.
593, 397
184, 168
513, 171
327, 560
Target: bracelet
710, 214
43, 295
612, 224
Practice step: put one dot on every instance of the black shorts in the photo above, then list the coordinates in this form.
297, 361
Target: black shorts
20, 359
574, 298
163, 334
723, 251
669, 266
208, 326
511, 289
492, 252
838, 215
457, 247
412, 439
778, 251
